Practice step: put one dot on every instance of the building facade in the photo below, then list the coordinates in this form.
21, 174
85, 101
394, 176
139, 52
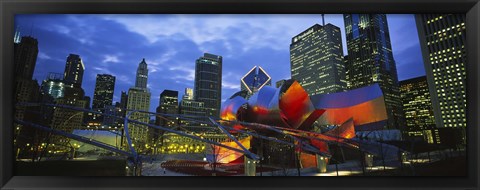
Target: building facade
168, 105
190, 108
417, 106
53, 85
73, 74
208, 83
442, 39
370, 60
139, 99
103, 95
316, 59
25, 57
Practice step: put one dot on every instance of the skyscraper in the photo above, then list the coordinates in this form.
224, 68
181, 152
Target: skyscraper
208, 82
139, 99
25, 57
53, 85
280, 83
103, 94
74, 69
142, 75
316, 59
26, 89
254, 80
68, 119
370, 60
168, 105
190, 107
417, 105
442, 39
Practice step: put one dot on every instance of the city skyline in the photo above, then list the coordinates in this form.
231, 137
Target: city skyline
171, 56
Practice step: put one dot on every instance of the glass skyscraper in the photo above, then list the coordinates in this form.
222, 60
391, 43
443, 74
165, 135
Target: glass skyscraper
316, 59
103, 94
370, 60
442, 39
74, 69
208, 83
417, 105
25, 57
53, 85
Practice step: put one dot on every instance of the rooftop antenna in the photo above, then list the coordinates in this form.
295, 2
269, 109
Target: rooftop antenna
323, 19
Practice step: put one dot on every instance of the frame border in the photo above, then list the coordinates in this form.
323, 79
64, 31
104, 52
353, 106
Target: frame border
8, 8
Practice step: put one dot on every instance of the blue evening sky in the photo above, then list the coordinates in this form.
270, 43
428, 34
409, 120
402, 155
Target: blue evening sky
170, 44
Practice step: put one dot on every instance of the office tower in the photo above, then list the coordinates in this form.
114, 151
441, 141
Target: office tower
103, 94
53, 85
111, 122
139, 99
191, 108
68, 119
442, 39
316, 59
417, 106
168, 105
280, 83
123, 100
188, 95
142, 75
347, 73
208, 83
254, 80
26, 89
74, 69
74, 96
370, 60
25, 57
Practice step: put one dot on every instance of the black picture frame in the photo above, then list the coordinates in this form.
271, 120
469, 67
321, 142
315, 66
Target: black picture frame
8, 9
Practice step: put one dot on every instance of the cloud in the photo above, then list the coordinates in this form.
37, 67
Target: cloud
110, 59
229, 85
43, 55
190, 73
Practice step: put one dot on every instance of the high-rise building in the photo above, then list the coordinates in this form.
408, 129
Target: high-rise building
208, 83
142, 75
443, 42
103, 94
25, 57
370, 60
113, 123
68, 119
74, 69
168, 105
53, 85
123, 100
417, 105
139, 99
26, 89
254, 80
189, 107
316, 59
280, 83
